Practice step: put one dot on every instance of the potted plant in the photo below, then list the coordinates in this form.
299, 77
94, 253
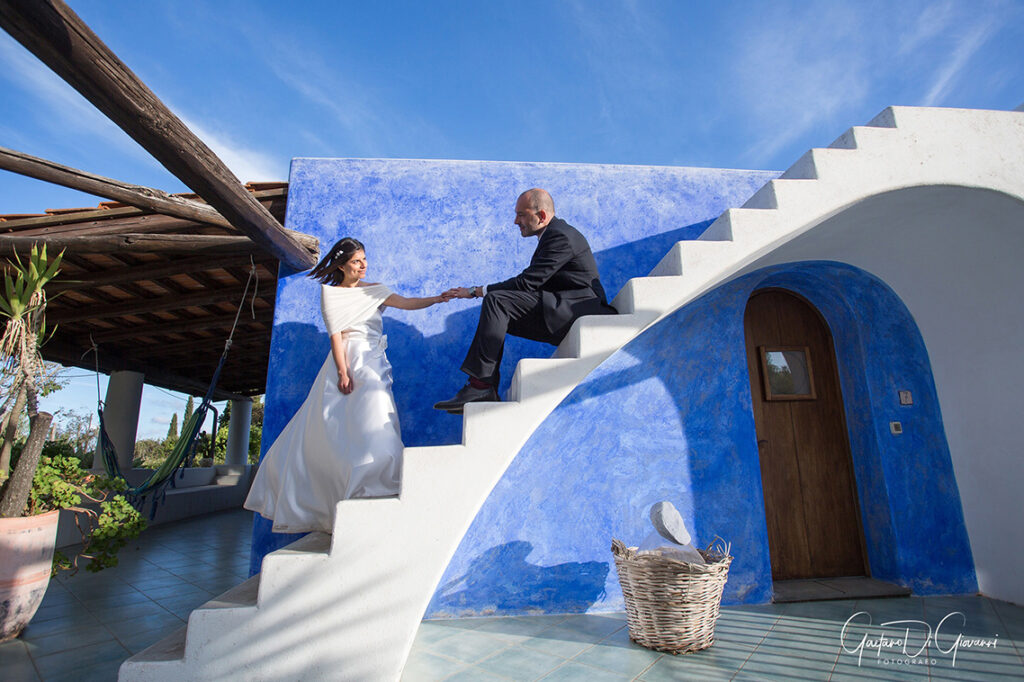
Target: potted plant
37, 488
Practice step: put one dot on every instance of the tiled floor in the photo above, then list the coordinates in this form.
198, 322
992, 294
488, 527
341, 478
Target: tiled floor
90, 623
772, 642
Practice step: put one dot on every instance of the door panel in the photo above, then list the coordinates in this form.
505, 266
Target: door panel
806, 470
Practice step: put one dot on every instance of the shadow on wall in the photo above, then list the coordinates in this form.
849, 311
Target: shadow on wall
425, 369
502, 580
669, 417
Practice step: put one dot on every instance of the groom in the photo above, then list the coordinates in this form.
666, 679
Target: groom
540, 303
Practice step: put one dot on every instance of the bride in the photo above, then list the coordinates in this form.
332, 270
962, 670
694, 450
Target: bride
345, 440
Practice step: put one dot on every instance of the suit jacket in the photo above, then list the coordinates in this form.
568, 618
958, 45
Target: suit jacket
564, 272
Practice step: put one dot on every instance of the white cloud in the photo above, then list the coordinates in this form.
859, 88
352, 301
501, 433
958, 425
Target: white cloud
797, 71
248, 164
68, 112
930, 23
362, 115
967, 45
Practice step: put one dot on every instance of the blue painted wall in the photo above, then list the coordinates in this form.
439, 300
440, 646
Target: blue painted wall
430, 225
669, 418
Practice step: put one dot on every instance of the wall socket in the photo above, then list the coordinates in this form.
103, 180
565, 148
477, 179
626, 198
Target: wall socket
895, 428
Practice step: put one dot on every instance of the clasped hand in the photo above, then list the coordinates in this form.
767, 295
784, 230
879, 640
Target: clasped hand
456, 292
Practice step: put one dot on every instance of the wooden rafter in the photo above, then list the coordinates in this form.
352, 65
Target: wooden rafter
264, 316
139, 307
136, 273
108, 188
57, 36
122, 219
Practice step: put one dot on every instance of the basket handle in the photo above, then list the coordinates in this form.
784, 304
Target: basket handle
618, 549
721, 547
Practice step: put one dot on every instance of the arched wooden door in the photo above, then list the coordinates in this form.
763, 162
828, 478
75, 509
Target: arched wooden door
814, 528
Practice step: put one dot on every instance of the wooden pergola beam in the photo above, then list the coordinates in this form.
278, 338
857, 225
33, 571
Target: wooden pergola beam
184, 244
57, 36
108, 188
97, 218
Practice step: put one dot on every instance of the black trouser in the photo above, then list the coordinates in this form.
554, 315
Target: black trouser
504, 312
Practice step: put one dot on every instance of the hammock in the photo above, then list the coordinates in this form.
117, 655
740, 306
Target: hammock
181, 455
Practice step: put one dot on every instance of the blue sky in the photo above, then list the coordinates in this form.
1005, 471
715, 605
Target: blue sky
718, 84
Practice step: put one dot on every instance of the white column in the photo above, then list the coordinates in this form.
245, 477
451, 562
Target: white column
121, 416
238, 433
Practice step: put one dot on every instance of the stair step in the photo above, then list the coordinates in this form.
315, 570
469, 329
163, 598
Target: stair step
310, 544
745, 226
691, 257
783, 194
169, 649
647, 293
535, 377
487, 422
862, 137
818, 164
243, 594
291, 565
596, 336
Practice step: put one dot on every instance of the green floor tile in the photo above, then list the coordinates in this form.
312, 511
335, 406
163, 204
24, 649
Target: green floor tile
577, 672
424, 666
676, 669
521, 663
16, 663
469, 646
629, 661
561, 641
73, 660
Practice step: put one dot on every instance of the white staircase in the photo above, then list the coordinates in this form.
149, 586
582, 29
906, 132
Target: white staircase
347, 606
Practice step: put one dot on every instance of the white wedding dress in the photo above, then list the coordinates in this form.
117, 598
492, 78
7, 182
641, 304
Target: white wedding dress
336, 446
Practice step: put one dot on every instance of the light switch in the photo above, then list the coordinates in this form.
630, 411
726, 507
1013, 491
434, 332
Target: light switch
896, 428
906, 398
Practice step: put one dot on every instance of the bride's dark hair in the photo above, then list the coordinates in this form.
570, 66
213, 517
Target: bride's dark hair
327, 270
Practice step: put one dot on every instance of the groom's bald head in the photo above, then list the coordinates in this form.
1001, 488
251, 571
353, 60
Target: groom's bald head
534, 210
538, 200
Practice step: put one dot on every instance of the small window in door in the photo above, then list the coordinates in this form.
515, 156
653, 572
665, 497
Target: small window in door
786, 373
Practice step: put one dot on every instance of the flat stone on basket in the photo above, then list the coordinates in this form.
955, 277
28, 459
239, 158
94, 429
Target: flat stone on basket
669, 523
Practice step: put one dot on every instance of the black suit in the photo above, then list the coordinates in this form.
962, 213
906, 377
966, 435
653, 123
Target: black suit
540, 303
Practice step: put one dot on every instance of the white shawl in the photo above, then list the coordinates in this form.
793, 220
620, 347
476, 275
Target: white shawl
345, 307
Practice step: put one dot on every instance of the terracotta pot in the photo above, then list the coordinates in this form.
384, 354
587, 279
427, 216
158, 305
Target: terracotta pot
26, 553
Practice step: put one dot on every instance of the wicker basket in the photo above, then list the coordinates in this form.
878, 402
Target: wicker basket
672, 605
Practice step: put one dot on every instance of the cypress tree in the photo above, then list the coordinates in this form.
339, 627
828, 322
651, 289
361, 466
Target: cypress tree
172, 430
189, 408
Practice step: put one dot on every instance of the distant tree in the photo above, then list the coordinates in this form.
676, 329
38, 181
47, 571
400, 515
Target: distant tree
257, 410
148, 453
255, 432
172, 430
189, 408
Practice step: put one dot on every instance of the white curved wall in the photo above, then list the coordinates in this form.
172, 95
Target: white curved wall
954, 255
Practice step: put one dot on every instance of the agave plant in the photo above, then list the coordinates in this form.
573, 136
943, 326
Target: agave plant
23, 303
